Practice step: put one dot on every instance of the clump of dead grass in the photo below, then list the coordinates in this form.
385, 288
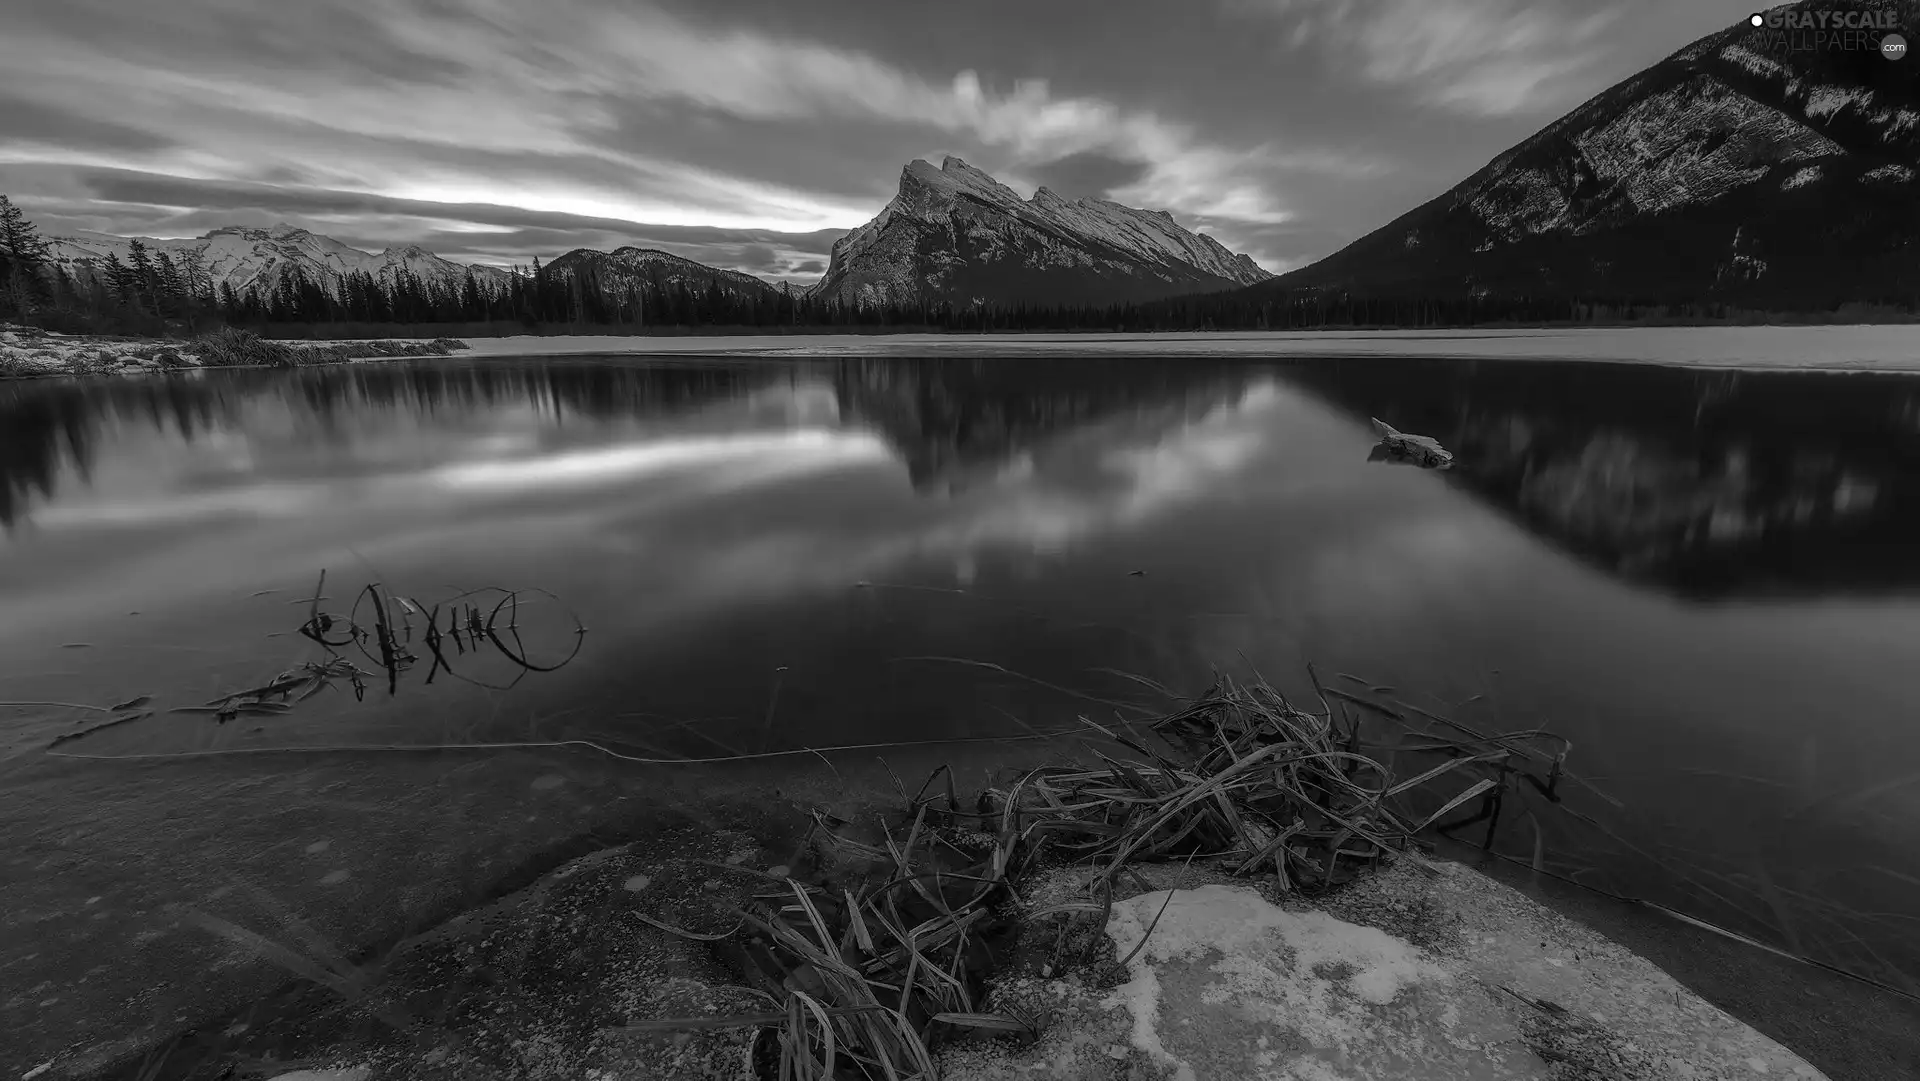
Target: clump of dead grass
867, 981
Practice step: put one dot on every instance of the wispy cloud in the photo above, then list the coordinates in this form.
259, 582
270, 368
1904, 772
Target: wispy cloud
1483, 57
531, 106
636, 52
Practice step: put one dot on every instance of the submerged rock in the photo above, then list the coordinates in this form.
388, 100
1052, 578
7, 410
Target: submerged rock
545, 983
1398, 446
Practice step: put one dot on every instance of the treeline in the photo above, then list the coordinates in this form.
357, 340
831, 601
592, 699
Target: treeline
153, 293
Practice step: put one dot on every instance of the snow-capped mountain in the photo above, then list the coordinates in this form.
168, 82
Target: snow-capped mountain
955, 233
1755, 164
614, 271
252, 259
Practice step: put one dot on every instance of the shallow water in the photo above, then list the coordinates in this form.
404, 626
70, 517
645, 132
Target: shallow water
1706, 580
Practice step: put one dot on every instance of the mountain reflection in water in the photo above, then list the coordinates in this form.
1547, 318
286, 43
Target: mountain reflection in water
1703, 483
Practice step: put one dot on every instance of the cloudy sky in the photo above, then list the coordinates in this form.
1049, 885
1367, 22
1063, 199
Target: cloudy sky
751, 133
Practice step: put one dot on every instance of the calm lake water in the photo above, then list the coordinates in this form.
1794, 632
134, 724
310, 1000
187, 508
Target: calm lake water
1708, 581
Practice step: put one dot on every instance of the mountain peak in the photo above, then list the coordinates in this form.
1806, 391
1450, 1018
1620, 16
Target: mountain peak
957, 233
960, 172
925, 190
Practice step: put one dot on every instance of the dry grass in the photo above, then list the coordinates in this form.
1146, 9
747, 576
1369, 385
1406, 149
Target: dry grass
867, 982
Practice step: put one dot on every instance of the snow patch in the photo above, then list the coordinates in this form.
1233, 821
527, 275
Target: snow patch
1752, 62
1889, 174
1896, 122
1319, 976
1824, 101
1806, 174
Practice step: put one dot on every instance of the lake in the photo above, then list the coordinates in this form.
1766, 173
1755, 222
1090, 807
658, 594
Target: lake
1707, 580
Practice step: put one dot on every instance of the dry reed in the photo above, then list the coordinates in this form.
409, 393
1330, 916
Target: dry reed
867, 982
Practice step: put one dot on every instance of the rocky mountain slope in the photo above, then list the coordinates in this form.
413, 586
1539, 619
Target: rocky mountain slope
614, 271
1757, 166
956, 234
251, 260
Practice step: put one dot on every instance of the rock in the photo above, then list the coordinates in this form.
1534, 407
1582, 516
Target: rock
351, 1073
542, 984
1398, 446
1420, 971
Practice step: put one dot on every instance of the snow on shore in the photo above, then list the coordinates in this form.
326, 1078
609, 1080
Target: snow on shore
1755, 348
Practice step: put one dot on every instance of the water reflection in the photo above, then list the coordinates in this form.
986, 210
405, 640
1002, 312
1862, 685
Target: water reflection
1704, 483
1707, 484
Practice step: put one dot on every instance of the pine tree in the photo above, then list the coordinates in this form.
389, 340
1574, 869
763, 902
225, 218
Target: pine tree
471, 305
23, 262
170, 290
119, 281
143, 277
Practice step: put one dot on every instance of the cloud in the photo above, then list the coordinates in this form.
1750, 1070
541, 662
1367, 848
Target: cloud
49, 124
634, 52
1088, 173
1480, 57
492, 101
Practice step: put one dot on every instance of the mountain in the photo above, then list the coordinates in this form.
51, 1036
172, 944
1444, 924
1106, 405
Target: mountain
252, 259
1756, 166
956, 234
615, 272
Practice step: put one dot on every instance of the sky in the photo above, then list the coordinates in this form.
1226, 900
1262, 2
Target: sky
750, 134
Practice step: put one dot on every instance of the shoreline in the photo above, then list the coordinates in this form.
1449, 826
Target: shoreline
595, 904
1887, 348
1770, 997
29, 353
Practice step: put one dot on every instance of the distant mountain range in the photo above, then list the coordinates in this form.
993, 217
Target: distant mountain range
1754, 166
251, 260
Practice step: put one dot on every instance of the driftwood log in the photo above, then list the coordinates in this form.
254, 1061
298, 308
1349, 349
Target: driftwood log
1398, 446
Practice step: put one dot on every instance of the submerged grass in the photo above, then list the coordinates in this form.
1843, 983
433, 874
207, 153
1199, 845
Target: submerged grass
391, 632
